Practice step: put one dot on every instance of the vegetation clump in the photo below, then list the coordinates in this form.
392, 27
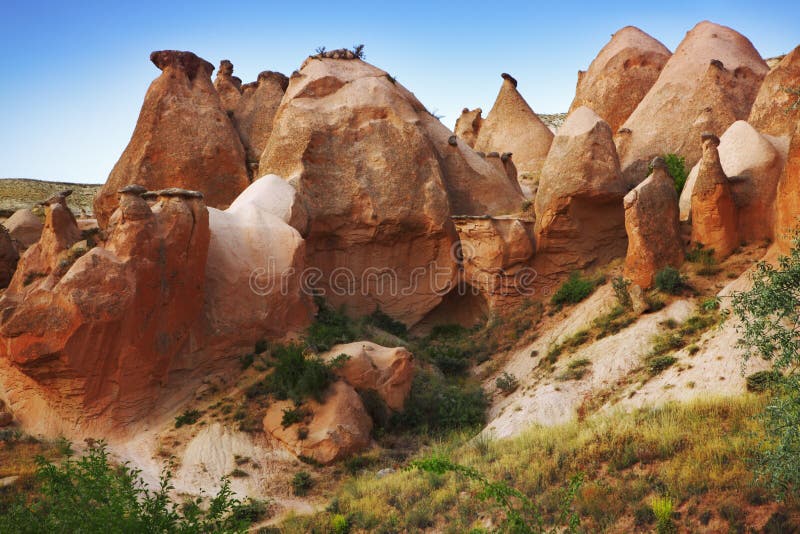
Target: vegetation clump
575, 289
669, 280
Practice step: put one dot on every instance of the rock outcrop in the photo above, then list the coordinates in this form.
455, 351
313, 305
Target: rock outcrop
579, 215
621, 75
370, 367
512, 126
787, 205
332, 430
24, 227
255, 112
776, 110
183, 138
714, 217
228, 86
379, 179
753, 163
468, 125
653, 228
89, 343
709, 82
8, 257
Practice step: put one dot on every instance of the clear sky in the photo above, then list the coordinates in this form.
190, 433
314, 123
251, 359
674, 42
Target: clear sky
76, 71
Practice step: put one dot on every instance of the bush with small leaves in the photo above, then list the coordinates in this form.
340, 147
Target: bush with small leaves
573, 290
507, 383
301, 483
189, 417
669, 280
662, 509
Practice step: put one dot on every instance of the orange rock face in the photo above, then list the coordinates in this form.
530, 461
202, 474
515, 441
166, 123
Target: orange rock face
709, 82
183, 138
579, 215
255, 112
775, 111
228, 86
334, 429
621, 75
90, 345
8, 258
653, 228
788, 198
512, 126
714, 217
24, 227
468, 125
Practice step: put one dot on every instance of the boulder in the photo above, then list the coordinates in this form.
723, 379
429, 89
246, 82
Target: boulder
379, 178
387, 371
90, 348
579, 215
24, 227
776, 110
787, 205
8, 257
468, 125
183, 138
512, 126
753, 163
621, 75
653, 228
709, 82
714, 216
332, 430
255, 112
228, 86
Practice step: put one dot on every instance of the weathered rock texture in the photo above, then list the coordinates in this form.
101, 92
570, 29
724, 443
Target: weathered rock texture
714, 217
512, 126
497, 255
91, 344
24, 227
8, 257
776, 110
334, 429
621, 75
228, 86
255, 112
709, 82
371, 367
788, 198
468, 125
753, 163
183, 138
580, 220
651, 221
379, 180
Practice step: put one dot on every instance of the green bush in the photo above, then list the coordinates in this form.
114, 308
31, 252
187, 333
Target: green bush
761, 381
448, 347
621, 287
661, 363
331, 327
90, 495
676, 167
298, 376
378, 319
669, 280
189, 417
507, 383
292, 416
573, 290
662, 509
301, 483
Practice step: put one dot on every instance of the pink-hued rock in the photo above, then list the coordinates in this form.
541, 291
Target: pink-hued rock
183, 138
512, 126
776, 110
24, 227
468, 125
714, 216
787, 205
228, 86
653, 228
621, 75
709, 82
255, 113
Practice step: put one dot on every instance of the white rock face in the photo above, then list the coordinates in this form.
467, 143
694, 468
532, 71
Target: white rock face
272, 195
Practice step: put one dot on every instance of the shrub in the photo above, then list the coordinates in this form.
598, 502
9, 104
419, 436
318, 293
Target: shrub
378, 319
331, 327
576, 369
573, 290
676, 167
621, 287
661, 363
507, 383
246, 360
189, 417
669, 280
761, 381
301, 483
653, 302
340, 524
662, 509
297, 376
448, 347
252, 510
292, 416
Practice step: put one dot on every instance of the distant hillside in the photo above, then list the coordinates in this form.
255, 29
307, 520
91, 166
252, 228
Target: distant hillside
18, 193
553, 120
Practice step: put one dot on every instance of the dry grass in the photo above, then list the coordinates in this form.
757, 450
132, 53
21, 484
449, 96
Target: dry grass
19, 193
694, 453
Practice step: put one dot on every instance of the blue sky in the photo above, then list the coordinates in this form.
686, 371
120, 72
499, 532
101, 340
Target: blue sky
76, 72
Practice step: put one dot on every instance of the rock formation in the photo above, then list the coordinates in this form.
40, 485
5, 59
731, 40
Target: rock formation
468, 125
653, 228
90, 341
24, 227
621, 75
183, 138
579, 215
387, 371
379, 178
776, 110
512, 126
255, 112
8, 257
714, 217
787, 205
332, 430
709, 82
228, 86
753, 163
